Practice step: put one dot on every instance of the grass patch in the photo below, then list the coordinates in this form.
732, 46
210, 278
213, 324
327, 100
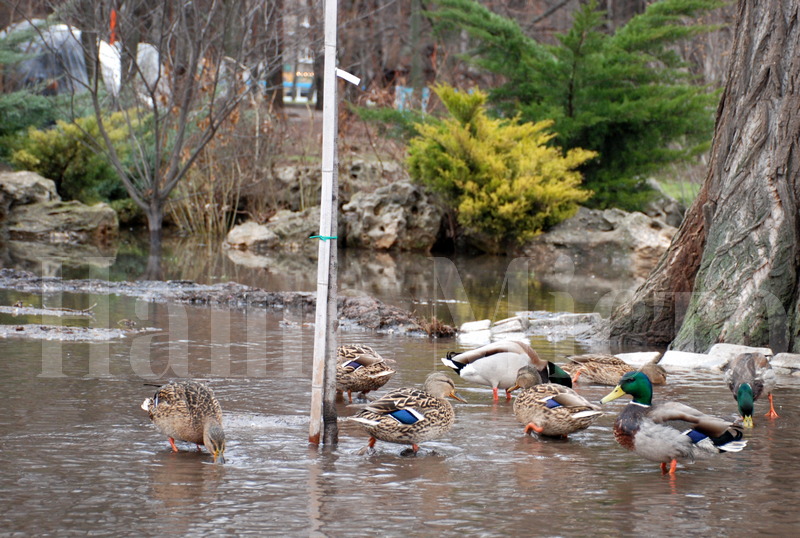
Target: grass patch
683, 191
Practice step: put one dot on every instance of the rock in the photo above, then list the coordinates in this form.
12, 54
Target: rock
286, 230
294, 228
724, 353
362, 175
609, 244
63, 222
684, 360
563, 324
399, 216
663, 206
474, 338
786, 363
639, 359
296, 186
21, 188
516, 324
251, 236
472, 326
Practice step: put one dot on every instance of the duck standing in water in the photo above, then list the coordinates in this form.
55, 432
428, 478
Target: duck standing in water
749, 375
551, 409
188, 411
496, 365
360, 368
411, 416
641, 427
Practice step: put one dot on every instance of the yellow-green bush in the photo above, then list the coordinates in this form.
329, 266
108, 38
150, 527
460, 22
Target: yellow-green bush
65, 154
501, 176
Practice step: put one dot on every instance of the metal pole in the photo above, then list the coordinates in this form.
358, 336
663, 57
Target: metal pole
323, 338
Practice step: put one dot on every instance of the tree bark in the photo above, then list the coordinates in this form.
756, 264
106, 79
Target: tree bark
731, 273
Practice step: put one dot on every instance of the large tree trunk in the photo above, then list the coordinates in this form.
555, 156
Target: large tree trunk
731, 273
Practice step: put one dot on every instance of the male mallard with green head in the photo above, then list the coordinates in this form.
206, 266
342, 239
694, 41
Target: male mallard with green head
551, 409
496, 365
410, 416
748, 376
188, 411
642, 428
360, 368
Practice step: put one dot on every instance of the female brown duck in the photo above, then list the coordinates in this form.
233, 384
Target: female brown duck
188, 411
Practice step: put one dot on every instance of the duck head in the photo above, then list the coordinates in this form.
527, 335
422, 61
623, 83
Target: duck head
214, 440
527, 377
744, 397
637, 384
441, 386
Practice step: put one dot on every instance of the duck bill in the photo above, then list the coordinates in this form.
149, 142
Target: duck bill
747, 421
455, 396
512, 389
613, 395
218, 457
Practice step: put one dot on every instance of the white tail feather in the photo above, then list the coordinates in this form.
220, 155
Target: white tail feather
365, 421
588, 413
733, 446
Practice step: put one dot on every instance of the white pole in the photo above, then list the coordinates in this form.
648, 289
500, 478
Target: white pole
322, 344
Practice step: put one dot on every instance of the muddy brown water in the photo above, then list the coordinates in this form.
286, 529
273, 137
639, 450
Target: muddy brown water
80, 456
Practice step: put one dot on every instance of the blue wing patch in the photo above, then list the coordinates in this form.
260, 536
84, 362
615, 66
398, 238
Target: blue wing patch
551, 403
695, 436
407, 416
355, 365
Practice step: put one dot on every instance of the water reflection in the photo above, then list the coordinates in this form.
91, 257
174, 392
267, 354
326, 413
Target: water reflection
82, 457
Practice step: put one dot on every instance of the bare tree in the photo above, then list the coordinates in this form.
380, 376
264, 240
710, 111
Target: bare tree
731, 272
183, 69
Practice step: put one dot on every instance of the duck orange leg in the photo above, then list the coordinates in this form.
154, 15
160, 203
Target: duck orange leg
350, 395
494, 394
772, 413
415, 448
576, 376
172, 442
672, 466
531, 427
508, 395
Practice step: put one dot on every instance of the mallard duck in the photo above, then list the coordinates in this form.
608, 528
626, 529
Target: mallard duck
361, 369
550, 409
497, 364
641, 426
748, 376
410, 416
188, 411
607, 369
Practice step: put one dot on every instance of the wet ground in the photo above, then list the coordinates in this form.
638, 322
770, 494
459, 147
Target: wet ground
80, 456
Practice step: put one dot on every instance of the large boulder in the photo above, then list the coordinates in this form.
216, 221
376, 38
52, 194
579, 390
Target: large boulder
608, 244
63, 222
251, 236
298, 185
399, 216
286, 230
22, 188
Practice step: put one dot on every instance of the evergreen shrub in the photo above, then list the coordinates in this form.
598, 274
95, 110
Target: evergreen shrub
502, 177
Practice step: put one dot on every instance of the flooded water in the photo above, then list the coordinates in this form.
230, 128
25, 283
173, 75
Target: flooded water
81, 457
